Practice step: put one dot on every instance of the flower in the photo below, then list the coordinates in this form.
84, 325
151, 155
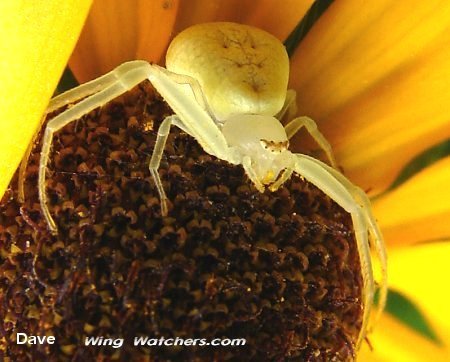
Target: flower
375, 75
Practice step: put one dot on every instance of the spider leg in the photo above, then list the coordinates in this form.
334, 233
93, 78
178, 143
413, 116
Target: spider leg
89, 88
115, 83
289, 109
297, 123
69, 97
23, 166
319, 174
186, 98
375, 234
192, 116
161, 139
194, 86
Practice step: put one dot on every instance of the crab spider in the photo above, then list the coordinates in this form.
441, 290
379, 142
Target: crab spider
227, 86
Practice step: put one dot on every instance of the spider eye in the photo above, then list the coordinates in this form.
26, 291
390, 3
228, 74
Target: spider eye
275, 147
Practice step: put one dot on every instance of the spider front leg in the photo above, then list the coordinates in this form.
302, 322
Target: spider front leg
296, 124
181, 93
375, 233
120, 80
185, 97
319, 175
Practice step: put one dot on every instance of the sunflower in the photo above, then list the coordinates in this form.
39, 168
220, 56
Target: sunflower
375, 75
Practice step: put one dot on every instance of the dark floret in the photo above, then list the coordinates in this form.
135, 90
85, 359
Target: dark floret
280, 269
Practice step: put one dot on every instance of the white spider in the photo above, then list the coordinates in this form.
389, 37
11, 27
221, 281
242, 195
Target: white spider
227, 85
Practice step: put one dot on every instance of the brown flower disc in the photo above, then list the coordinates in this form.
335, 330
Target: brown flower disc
279, 269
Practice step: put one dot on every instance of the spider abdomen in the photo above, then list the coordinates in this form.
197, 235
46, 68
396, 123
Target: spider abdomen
240, 69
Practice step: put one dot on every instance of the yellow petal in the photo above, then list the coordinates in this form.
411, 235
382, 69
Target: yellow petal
376, 77
421, 274
156, 28
118, 31
393, 341
277, 17
419, 209
36, 40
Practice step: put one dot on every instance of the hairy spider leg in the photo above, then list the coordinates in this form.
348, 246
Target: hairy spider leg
375, 233
297, 123
195, 119
319, 175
